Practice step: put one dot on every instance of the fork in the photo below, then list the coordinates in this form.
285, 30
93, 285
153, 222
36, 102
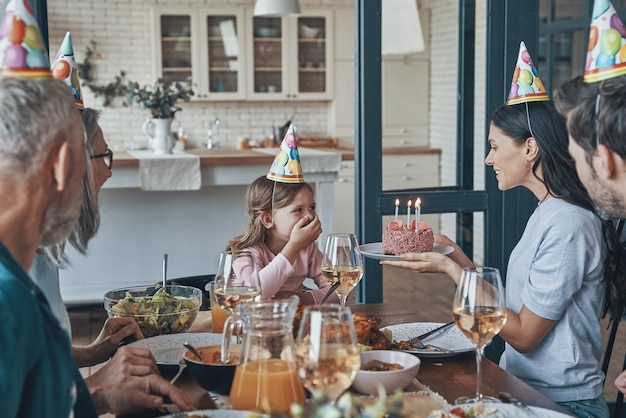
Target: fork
417, 343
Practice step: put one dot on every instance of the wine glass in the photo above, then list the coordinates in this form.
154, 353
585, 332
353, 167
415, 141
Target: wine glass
327, 355
237, 280
480, 313
342, 267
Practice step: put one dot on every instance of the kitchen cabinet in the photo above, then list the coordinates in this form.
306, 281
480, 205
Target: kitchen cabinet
204, 46
290, 58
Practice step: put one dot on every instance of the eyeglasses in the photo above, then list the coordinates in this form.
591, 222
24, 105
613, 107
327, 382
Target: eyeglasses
107, 156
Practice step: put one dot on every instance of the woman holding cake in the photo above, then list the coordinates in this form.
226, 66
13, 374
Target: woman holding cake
564, 265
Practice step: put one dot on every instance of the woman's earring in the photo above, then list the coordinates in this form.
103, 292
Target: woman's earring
527, 162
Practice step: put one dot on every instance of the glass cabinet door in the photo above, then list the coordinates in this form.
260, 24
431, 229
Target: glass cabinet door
224, 56
176, 47
267, 55
312, 55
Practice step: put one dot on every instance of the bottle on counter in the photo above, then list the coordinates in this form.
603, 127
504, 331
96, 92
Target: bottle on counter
181, 142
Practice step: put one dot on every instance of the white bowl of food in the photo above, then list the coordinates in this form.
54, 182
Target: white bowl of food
308, 31
393, 370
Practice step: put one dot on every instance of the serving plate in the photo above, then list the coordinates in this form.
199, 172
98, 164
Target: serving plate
168, 349
451, 339
375, 251
510, 411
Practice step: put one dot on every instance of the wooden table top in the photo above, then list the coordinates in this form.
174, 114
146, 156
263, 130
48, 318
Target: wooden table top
450, 377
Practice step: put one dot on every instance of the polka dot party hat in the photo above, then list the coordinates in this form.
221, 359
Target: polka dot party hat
606, 51
286, 166
64, 68
526, 85
22, 50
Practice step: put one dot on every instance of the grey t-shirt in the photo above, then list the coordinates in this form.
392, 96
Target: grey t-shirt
555, 270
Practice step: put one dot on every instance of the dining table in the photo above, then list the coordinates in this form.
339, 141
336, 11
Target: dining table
450, 377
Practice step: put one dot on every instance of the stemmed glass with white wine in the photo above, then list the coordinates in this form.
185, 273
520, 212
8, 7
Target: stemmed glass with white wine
327, 354
237, 280
342, 267
480, 313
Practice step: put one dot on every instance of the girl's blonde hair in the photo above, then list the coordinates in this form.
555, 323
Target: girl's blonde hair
259, 198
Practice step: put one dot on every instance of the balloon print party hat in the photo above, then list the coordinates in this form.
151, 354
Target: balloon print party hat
286, 167
22, 50
526, 85
606, 51
64, 68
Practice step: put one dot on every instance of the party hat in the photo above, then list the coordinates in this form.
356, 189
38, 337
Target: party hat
526, 85
64, 68
286, 166
22, 51
606, 51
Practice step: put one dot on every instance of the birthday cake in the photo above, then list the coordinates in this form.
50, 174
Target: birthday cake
401, 239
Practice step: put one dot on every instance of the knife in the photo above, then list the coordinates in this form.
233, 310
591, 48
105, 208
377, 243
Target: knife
514, 401
433, 331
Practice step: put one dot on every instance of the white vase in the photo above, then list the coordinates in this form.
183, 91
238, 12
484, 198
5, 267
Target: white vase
160, 133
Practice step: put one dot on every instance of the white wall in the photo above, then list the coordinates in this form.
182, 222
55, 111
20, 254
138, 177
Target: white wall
123, 31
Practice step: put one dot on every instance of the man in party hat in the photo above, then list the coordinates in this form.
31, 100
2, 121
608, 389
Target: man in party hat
286, 167
22, 50
606, 51
42, 161
595, 108
64, 68
526, 86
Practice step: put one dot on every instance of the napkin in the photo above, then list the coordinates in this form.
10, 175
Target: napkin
167, 172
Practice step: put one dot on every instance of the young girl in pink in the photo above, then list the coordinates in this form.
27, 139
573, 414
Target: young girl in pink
282, 237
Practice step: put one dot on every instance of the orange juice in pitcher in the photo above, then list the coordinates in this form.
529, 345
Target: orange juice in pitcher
257, 385
266, 379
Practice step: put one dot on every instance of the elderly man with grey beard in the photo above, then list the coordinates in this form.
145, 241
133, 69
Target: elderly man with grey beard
42, 161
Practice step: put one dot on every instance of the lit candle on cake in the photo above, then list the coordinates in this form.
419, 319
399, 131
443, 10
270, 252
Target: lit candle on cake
397, 205
418, 212
408, 215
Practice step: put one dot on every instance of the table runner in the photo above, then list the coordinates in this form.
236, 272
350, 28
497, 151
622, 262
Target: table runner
167, 172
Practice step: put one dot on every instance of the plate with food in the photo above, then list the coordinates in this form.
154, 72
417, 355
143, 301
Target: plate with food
168, 349
448, 342
375, 251
494, 410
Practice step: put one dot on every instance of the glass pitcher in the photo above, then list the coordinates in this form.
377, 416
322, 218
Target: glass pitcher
266, 378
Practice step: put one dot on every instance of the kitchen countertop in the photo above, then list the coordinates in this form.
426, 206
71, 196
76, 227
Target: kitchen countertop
228, 156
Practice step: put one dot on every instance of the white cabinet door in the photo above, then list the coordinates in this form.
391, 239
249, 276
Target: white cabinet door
290, 58
204, 47
405, 95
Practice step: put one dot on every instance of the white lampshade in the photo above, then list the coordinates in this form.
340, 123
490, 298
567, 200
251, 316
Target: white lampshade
276, 7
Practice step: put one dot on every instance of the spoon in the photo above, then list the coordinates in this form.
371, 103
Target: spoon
164, 270
193, 350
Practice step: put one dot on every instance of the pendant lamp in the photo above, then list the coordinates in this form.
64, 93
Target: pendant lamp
276, 7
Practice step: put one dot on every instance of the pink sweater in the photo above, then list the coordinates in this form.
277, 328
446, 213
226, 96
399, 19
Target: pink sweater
278, 274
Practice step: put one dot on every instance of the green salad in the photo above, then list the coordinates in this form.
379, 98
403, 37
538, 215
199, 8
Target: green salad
161, 313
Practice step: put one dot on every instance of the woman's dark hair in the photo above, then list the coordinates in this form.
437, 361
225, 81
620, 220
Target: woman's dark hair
550, 133
560, 177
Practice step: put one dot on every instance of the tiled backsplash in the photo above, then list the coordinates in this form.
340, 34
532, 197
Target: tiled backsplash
123, 31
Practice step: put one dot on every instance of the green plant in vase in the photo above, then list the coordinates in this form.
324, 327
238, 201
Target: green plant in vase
160, 99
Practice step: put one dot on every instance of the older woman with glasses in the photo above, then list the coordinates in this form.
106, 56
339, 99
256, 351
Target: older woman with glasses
127, 365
